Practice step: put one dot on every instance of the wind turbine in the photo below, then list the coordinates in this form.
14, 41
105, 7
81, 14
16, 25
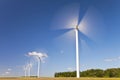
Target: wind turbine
40, 57
29, 66
69, 20
71, 26
25, 70
39, 64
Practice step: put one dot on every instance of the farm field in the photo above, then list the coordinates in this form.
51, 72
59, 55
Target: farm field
59, 79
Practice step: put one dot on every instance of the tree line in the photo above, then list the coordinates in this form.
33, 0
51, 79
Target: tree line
112, 72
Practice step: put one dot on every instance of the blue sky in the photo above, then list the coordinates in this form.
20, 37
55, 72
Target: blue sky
26, 25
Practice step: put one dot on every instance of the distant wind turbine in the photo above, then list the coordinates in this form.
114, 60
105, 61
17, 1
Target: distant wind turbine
29, 69
40, 57
25, 70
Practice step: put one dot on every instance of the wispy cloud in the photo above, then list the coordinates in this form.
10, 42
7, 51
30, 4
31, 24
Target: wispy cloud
2, 74
119, 57
70, 69
7, 72
112, 59
9, 69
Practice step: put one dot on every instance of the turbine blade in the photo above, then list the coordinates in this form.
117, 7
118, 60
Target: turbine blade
66, 37
92, 24
87, 40
67, 17
60, 32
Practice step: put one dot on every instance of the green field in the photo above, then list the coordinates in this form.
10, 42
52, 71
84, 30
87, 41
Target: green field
59, 79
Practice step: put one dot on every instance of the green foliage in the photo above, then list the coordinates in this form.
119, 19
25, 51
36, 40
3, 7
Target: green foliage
65, 74
93, 73
113, 72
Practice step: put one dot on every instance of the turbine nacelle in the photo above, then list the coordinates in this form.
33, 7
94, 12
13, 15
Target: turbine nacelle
77, 28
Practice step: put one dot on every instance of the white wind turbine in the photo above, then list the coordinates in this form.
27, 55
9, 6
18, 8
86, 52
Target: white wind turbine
25, 70
40, 57
68, 20
70, 27
29, 66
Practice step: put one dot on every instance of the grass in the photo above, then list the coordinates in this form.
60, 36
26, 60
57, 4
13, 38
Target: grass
59, 79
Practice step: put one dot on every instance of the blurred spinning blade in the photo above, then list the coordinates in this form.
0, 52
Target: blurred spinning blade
67, 18
92, 24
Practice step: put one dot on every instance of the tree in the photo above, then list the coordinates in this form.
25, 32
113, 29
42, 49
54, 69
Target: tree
113, 72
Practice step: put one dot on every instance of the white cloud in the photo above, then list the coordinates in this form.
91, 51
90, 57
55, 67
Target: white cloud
83, 65
108, 60
7, 72
38, 55
69, 69
2, 74
9, 69
119, 57
111, 59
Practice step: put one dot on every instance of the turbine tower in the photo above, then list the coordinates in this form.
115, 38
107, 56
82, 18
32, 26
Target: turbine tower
77, 53
40, 57
25, 70
39, 63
